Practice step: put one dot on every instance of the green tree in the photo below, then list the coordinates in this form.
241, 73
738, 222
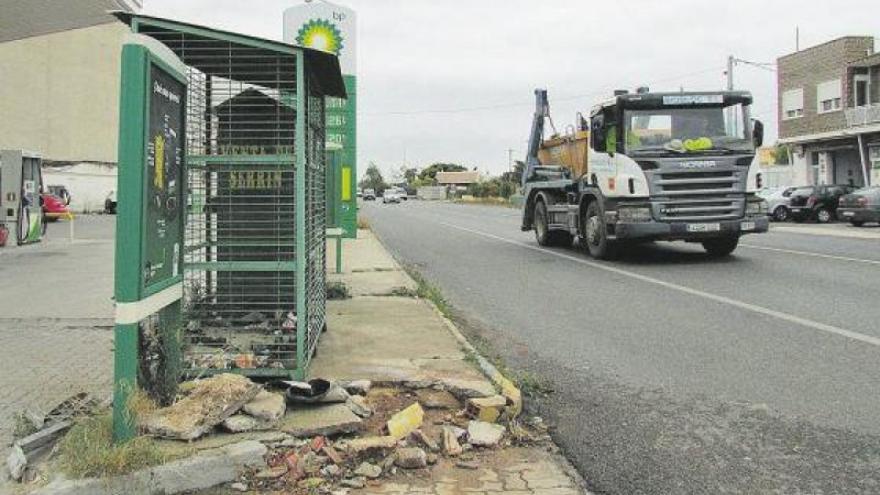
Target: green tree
430, 173
373, 179
780, 155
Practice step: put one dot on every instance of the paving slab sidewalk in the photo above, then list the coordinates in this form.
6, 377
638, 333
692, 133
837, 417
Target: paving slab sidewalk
403, 339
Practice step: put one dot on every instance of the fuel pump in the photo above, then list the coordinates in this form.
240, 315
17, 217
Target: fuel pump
21, 186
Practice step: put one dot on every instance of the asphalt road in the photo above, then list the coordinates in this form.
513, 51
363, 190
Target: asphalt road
673, 372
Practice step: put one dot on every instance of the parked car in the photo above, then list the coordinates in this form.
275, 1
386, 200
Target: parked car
110, 203
860, 207
391, 196
778, 202
369, 195
61, 192
54, 208
817, 203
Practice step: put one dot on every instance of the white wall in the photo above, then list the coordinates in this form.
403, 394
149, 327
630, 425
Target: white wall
88, 183
59, 93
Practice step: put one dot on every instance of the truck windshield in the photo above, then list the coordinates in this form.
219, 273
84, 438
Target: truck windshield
688, 130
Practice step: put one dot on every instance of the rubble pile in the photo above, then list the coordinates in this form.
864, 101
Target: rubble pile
336, 437
331, 437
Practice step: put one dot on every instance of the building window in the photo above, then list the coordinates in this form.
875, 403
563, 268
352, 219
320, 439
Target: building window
828, 94
792, 104
874, 156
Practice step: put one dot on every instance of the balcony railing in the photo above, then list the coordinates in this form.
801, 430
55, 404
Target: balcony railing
858, 116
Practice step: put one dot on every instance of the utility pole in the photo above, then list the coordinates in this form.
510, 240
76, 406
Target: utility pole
731, 61
510, 160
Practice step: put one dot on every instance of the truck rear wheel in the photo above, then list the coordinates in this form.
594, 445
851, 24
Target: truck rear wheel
596, 234
721, 247
543, 234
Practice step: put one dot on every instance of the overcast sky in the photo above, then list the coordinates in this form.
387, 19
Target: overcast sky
453, 80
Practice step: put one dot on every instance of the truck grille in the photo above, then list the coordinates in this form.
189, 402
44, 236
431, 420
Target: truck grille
688, 195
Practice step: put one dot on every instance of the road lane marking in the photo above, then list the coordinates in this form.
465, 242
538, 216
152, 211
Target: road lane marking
808, 253
687, 290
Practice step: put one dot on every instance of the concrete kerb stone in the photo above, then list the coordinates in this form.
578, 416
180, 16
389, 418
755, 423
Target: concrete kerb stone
505, 386
206, 470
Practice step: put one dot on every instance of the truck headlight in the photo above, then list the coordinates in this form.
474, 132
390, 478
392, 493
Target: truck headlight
756, 208
632, 214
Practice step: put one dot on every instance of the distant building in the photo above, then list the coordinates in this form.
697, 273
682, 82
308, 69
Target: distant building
457, 179
829, 112
60, 62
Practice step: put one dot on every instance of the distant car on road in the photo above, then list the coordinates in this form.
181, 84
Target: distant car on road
369, 195
817, 203
778, 202
860, 207
54, 208
391, 196
110, 203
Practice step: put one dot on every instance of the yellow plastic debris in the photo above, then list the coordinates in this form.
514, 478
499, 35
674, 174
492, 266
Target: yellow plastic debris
405, 422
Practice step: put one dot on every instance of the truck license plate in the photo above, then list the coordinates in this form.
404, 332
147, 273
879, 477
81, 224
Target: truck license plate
746, 226
704, 227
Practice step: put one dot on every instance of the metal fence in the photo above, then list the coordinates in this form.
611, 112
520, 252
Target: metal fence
255, 260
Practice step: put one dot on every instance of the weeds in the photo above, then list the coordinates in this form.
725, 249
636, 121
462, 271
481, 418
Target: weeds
337, 291
404, 292
428, 291
363, 224
88, 450
529, 383
22, 426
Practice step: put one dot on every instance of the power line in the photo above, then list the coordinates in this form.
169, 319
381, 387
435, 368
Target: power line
525, 104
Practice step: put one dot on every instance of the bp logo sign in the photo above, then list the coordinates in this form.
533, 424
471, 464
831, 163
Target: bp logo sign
321, 35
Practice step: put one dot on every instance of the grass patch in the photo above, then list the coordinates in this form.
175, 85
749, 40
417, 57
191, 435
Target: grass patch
503, 202
404, 292
88, 450
337, 291
429, 291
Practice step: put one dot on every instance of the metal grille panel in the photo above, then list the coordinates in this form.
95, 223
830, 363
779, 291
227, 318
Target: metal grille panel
241, 235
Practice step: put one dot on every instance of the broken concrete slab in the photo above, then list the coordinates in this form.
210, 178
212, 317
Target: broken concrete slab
482, 434
208, 403
326, 420
357, 387
410, 458
358, 405
44, 437
437, 399
423, 438
362, 445
368, 470
240, 423
266, 406
487, 409
203, 471
16, 463
451, 446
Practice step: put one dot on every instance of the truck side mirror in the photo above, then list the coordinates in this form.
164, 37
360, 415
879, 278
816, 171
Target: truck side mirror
758, 133
597, 136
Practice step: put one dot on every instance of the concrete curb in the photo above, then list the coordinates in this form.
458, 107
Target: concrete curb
506, 386
205, 470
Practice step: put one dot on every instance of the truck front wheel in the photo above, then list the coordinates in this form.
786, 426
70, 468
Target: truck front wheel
543, 234
721, 247
596, 234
